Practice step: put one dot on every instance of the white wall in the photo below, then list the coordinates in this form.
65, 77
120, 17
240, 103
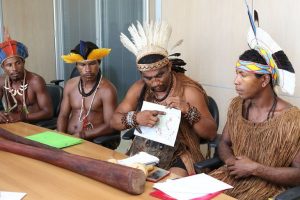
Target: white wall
31, 22
214, 34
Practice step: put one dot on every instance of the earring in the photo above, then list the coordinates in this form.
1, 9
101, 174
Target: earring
263, 84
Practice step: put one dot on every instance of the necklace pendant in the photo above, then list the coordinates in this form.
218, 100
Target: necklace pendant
88, 126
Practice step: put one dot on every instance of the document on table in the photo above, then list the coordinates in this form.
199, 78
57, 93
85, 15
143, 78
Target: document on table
141, 157
11, 195
192, 186
165, 131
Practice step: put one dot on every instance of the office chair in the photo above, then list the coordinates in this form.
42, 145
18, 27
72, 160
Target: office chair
111, 141
56, 94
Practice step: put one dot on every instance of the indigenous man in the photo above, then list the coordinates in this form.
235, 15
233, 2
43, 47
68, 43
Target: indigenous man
89, 100
260, 144
161, 85
23, 93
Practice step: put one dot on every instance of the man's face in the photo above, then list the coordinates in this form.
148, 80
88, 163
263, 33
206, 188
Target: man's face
88, 69
14, 68
158, 80
247, 85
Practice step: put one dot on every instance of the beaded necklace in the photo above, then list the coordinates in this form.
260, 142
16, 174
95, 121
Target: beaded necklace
13, 92
270, 113
86, 124
81, 88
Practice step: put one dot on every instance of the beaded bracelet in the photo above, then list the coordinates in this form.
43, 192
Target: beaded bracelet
129, 119
193, 115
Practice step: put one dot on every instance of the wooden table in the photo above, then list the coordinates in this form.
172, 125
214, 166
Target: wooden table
45, 181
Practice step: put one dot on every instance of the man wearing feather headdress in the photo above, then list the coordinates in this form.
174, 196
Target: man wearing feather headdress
260, 144
163, 82
23, 93
89, 100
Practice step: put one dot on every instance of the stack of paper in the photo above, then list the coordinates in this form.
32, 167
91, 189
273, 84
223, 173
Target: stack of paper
141, 157
192, 187
11, 195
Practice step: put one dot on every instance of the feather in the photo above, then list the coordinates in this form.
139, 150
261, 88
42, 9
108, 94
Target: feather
256, 19
178, 43
6, 34
72, 58
82, 48
251, 18
142, 34
128, 44
98, 54
135, 36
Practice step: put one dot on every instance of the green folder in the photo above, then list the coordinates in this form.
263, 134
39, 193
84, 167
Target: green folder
55, 139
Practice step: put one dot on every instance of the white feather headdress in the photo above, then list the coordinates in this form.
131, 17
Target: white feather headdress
151, 38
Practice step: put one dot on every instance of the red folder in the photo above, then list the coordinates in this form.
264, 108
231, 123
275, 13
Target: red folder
161, 195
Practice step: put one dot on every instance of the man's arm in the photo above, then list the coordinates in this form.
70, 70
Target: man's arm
206, 127
144, 118
128, 104
224, 147
109, 103
3, 118
289, 176
65, 109
43, 100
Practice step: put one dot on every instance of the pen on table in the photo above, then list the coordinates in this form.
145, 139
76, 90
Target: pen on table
138, 129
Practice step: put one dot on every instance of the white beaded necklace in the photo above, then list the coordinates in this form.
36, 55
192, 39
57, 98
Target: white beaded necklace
90, 107
13, 92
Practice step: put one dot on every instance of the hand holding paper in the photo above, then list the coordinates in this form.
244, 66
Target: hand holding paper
165, 127
149, 117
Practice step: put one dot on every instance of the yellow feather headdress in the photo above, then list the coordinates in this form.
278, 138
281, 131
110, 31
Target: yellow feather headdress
85, 51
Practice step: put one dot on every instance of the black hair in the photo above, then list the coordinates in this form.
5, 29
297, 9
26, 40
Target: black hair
86, 49
253, 56
151, 58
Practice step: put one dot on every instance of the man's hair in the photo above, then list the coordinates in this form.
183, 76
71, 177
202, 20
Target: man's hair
253, 56
151, 58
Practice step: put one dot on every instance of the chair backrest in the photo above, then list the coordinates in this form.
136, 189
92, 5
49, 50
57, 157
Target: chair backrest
213, 109
74, 73
56, 93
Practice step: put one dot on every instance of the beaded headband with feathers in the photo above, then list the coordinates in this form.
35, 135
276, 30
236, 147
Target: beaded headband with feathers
281, 69
151, 38
11, 48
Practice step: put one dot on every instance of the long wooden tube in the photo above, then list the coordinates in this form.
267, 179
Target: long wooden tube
19, 139
124, 178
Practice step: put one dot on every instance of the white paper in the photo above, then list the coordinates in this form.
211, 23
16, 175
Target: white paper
141, 157
165, 131
192, 186
11, 195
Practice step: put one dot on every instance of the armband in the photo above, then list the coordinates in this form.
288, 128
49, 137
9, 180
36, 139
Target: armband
193, 115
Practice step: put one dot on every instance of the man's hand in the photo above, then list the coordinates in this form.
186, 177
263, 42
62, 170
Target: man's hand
178, 103
148, 117
4, 117
242, 167
14, 117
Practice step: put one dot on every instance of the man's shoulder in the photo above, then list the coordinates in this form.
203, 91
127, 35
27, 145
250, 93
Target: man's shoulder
35, 80
107, 84
71, 83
